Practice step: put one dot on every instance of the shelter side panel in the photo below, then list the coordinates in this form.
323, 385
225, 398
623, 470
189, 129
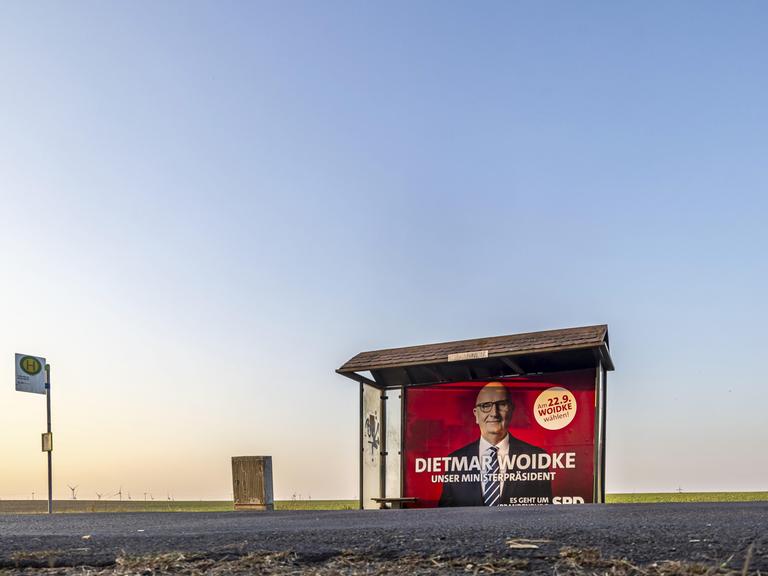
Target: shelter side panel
542, 428
371, 446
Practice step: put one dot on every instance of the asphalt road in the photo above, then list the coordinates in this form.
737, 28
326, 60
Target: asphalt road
717, 535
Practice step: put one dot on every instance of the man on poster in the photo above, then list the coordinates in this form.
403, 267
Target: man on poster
495, 449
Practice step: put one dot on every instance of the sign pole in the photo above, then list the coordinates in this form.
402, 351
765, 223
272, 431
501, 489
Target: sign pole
30, 378
50, 452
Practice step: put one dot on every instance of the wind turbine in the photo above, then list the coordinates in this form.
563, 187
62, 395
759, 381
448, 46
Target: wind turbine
99, 495
74, 489
119, 493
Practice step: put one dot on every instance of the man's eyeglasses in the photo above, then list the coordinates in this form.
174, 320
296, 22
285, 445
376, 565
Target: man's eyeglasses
501, 405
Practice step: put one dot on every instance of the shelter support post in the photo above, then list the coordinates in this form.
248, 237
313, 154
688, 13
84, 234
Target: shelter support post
361, 451
383, 447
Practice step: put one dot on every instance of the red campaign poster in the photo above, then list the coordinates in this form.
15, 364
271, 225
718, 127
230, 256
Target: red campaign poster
541, 429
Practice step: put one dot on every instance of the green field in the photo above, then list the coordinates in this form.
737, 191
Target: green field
655, 497
74, 506
317, 505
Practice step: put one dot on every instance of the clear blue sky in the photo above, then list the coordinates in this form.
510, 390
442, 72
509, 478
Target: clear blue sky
205, 208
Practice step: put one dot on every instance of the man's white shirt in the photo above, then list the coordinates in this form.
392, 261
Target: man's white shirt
503, 453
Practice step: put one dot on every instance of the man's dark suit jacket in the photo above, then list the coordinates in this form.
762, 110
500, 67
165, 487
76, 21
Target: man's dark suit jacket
471, 493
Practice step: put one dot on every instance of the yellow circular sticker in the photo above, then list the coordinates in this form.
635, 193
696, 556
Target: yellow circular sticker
555, 408
30, 365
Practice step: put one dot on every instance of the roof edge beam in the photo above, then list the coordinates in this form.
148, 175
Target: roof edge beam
512, 364
605, 355
359, 378
437, 374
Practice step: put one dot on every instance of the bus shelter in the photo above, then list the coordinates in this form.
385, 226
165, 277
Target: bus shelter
501, 421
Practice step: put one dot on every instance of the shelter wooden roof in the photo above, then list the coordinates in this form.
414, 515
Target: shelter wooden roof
550, 350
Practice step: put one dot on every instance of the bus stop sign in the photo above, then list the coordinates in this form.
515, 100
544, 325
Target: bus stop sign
30, 374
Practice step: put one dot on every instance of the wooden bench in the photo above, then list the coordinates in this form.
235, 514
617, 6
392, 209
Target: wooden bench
385, 503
